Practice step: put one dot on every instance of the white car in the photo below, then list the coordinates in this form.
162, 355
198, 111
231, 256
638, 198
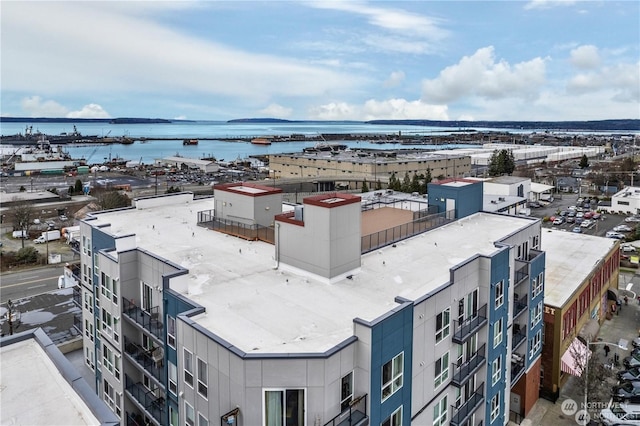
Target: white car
586, 223
627, 248
632, 219
622, 228
616, 235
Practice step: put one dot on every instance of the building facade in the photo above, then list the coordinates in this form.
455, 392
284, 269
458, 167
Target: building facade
190, 321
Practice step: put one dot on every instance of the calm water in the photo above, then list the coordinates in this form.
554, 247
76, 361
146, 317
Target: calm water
148, 151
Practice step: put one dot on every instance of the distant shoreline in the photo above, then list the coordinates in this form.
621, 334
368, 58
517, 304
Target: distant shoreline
620, 125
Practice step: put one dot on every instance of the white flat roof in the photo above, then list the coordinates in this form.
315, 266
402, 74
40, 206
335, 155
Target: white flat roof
34, 392
261, 308
570, 258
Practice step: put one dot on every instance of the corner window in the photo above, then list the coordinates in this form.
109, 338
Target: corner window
392, 376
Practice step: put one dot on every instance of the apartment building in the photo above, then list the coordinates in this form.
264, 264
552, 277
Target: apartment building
238, 310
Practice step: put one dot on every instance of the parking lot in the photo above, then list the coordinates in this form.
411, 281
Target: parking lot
606, 222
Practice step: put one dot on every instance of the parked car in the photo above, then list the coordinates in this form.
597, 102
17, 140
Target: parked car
535, 204
558, 220
632, 219
632, 361
622, 228
586, 223
63, 218
627, 248
631, 374
616, 235
636, 343
576, 229
627, 391
596, 216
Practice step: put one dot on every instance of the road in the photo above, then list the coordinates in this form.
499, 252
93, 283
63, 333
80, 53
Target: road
17, 285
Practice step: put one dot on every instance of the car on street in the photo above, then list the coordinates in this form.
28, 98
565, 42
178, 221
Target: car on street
628, 392
631, 374
632, 361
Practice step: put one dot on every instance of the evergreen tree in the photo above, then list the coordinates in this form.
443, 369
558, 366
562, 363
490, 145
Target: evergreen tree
415, 184
501, 162
378, 185
584, 162
406, 183
78, 187
427, 181
365, 187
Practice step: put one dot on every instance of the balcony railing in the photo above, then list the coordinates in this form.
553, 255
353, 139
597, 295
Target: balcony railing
75, 271
519, 306
466, 328
461, 414
77, 296
462, 372
150, 360
149, 320
517, 367
354, 415
134, 419
518, 338
522, 274
155, 406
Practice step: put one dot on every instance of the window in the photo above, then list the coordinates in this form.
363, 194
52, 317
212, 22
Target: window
441, 370
171, 331
346, 391
537, 285
188, 367
107, 322
536, 343
442, 324
440, 412
108, 394
116, 328
202, 378
107, 357
189, 415
119, 404
395, 419
173, 417
499, 294
496, 370
536, 314
497, 333
495, 407
173, 378
392, 376
202, 421
284, 407
115, 289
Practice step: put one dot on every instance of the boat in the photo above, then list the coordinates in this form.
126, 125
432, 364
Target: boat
190, 142
261, 141
33, 138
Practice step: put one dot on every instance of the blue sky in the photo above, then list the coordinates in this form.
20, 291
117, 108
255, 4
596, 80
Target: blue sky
322, 60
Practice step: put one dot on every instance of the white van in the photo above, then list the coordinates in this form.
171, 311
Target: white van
621, 414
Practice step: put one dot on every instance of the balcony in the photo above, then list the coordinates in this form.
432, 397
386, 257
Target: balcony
149, 360
522, 274
155, 406
466, 328
354, 415
134, 419
465, 411
462, 372
77, 296
149, 320
518, 337
517, 367
519, 306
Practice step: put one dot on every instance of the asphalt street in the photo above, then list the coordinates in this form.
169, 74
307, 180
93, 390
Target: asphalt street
27, 283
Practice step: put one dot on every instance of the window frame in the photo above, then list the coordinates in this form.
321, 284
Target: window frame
499, 296
445, 328
345, 400
187, 367
497, 332
496, 370
392, 386
171, 331
395, 419
188, 408
441, 377
440, 412
203, 378
495, 407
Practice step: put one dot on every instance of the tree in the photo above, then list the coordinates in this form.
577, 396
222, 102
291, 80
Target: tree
501, 163
394, 183
78, 187
71, 189
27, 255
628, 165
378, 185
20, 215
415, 184
427, 181
406, 183
365, 187
584, 162
173, 189
592, 372
108, 200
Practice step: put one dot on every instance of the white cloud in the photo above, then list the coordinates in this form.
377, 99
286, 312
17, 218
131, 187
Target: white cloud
390, 109
89, 111
585, 57
126, 51
394, 79
481, 75
35, 106
547, 4
276, 111
621, 81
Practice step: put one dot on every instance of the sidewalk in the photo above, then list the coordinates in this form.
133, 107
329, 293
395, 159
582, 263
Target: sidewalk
622, 326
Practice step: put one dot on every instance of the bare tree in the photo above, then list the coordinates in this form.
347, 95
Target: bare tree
592, 381
20, 214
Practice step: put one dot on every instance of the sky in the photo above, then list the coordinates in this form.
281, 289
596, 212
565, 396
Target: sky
321, 60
